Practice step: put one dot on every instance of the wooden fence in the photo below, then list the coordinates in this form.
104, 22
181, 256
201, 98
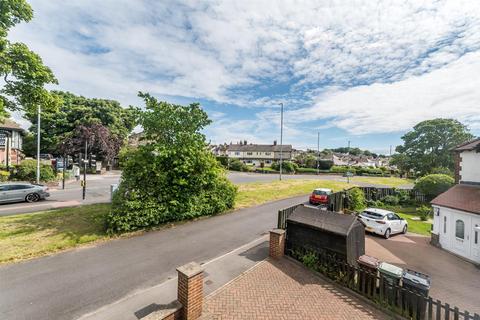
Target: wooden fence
373, 193
382, 290
283, 216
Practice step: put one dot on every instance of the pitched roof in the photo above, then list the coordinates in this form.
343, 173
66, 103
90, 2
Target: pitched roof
10, 124
323, 220
259, 147
461, 197
468, 146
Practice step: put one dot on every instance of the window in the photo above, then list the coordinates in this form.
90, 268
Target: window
249, 153
390, 216
372, 215
444, 224
476, 234
460, 229
268, 153
237, 153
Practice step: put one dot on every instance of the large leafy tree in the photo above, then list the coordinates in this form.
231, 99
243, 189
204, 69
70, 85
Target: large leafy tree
100, 142
21, 70
75, 111
428, 146
173, 176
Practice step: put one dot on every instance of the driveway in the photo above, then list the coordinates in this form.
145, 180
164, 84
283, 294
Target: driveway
454, 280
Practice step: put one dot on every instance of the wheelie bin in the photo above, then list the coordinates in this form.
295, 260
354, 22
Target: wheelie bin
390, 278
368, 274
417, 286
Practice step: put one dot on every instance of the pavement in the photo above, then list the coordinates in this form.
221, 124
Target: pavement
71, 284
217, 272
282, 289
454, 280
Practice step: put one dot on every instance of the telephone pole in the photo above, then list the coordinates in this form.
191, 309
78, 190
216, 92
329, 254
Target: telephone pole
318, 152
84, 185
39, 109
281, 139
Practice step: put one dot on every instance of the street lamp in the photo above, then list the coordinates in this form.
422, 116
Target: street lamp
39, 110
281, 139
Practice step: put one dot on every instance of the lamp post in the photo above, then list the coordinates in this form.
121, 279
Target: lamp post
281, 139
39, 110
318, 153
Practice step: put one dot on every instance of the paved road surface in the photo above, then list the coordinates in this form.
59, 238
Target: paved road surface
70, 284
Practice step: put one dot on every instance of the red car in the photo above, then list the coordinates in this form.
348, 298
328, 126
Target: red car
320, 196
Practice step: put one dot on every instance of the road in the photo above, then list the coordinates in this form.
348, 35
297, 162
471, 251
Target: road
99, 190
71, 284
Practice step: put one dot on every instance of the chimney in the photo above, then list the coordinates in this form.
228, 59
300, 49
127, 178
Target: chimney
274, 142
245, 142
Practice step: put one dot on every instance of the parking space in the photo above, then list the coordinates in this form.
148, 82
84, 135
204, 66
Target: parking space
454, 280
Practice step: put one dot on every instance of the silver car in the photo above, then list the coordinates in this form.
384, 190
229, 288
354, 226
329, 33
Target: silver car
19, 192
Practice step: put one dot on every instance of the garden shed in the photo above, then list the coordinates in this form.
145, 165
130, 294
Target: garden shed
325, 231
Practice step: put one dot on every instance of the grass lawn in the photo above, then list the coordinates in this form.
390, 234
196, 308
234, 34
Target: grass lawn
393, 182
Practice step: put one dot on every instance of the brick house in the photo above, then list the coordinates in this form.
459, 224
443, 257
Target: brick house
11, 140
456, 223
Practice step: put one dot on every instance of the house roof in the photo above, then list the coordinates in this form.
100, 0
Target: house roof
461, 197
10, 124
469, 146
323, 220
260, 147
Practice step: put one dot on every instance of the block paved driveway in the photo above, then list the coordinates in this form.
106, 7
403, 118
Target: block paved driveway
282, 289
454, 280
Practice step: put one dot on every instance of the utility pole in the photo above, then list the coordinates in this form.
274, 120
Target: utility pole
390, 150
318, 153
64, 168
84, 190
39, 110
281, 139
348, 146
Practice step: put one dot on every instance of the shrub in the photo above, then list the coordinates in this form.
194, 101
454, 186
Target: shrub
306, 170
27, 171
237, 165
325, 164
391, 200
287, 166
356, 199
442, 170
434, 184
424, 212
4, 175
223, 161
173, 176
342, 169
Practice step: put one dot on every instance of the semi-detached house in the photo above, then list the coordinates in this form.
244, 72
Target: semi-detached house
259, 155
456, 223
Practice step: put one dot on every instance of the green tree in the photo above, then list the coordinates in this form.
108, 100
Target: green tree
75, 111
23, 73
429, 144
434, 184
173, 176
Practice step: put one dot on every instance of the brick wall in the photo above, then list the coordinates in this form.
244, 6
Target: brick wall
277, 243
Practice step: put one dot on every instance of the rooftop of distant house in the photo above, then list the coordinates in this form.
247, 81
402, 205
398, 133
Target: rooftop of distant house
10, 124
245, 146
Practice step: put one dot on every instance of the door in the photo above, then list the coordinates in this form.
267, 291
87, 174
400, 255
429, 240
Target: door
461, 236
3, 193
475, 239
394, 223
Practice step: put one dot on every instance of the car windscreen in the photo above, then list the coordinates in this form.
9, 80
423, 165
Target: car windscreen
320, 193
372, 215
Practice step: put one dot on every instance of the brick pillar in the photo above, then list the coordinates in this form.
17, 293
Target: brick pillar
190, 290
277, 243
458, 166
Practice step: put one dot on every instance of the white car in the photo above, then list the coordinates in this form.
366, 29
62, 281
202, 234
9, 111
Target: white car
382, 222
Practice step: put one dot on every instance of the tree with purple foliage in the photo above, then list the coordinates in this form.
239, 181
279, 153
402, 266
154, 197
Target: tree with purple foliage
101, 142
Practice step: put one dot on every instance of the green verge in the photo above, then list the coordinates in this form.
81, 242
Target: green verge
31, 235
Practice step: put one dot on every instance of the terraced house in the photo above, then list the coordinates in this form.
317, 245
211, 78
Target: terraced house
259, 155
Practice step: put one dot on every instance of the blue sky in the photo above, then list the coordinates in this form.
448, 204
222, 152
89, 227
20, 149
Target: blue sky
364, 70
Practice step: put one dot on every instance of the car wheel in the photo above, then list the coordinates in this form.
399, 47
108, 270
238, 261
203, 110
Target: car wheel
387, 234
404, 231
32, 197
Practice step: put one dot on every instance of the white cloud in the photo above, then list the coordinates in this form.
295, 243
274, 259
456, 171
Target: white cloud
450, 92
358, 63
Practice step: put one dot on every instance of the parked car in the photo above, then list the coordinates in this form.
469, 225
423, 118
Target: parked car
382, 222
320, 196
19, 192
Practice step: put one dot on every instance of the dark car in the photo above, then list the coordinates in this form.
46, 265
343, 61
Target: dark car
19, 192
320, 196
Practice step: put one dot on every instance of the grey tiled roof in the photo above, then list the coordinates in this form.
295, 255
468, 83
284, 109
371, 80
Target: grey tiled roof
259, 147
468, 146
